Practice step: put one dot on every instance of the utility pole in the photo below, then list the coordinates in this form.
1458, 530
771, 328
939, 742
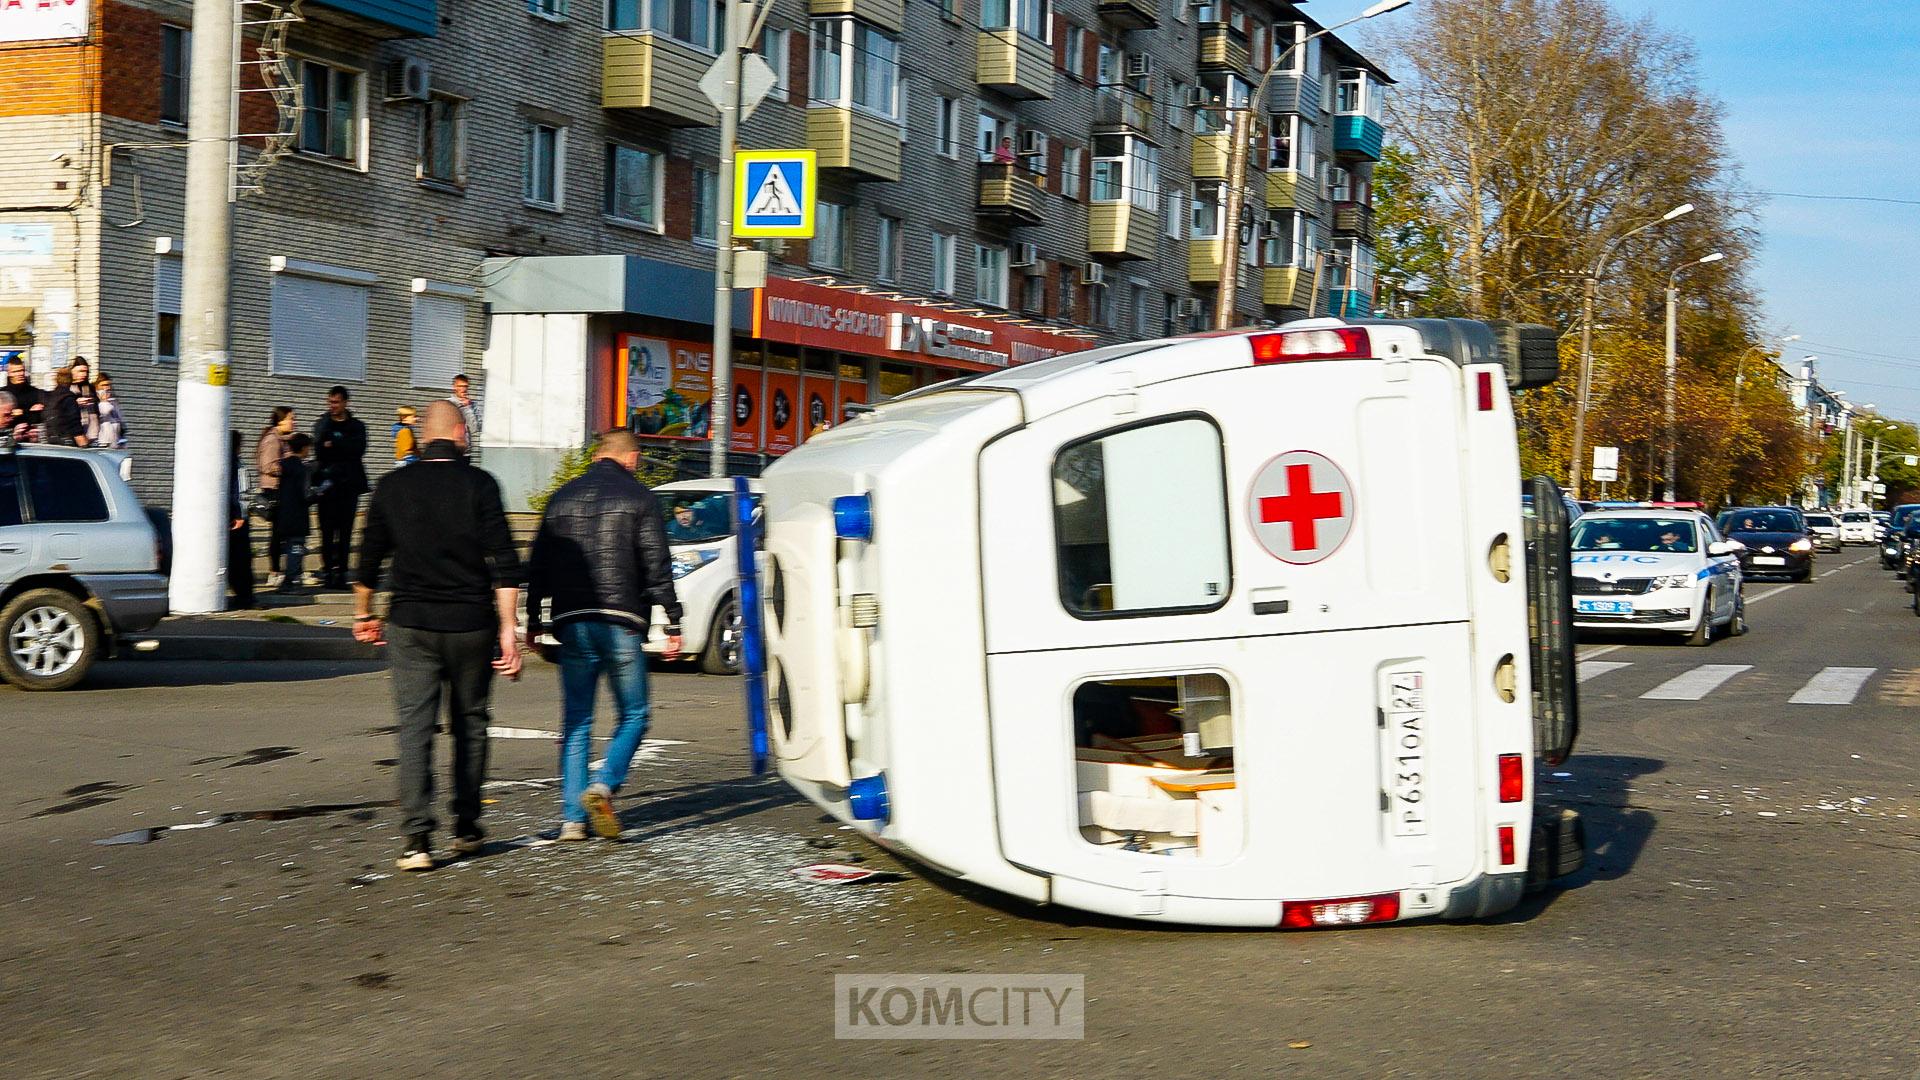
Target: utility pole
1583, 387
1672, 303
202, 470
720, 408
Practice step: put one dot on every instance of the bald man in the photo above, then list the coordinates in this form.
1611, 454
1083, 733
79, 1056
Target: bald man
453, 615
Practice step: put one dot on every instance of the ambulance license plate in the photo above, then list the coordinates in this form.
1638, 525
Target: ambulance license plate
1604, 607
1406, 752
1768, 560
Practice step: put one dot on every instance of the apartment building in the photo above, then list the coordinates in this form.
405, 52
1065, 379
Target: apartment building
525, 190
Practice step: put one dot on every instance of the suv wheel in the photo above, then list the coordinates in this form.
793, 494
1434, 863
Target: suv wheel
48, 640
724, 640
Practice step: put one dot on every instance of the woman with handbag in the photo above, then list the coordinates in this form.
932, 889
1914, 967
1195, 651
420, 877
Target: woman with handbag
267, 455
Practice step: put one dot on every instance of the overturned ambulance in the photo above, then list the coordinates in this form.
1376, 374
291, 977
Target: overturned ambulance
1238, 629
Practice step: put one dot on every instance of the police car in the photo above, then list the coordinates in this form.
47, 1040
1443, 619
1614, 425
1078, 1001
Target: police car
1656, 569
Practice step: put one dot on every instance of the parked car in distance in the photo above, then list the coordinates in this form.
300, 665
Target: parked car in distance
82, 564
1825, 529
1893, 540
1856, 526
706, 569
1773, 539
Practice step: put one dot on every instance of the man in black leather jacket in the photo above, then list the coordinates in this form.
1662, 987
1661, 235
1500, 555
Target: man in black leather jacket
601, 557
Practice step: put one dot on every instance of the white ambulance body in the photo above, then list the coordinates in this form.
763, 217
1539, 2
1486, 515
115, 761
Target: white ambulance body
1224, 630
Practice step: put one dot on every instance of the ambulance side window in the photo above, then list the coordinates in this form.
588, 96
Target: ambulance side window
1140, 520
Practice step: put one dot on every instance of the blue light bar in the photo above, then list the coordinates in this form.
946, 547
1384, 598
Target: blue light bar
867, 797
853, 517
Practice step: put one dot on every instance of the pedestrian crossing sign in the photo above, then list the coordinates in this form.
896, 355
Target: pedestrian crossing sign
773, 193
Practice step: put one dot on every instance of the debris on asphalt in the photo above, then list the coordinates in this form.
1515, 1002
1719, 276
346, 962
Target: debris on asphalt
137, 836
842, 874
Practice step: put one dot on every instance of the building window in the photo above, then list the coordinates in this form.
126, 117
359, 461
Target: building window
1106, 313
693, 22
1291, 144
1340, 184
319, 324
1201, 317
1174, 111
1357, 95
1125, 168
829, 248
166, 309
1289, 238
990, 275
945, 268
947, 129
1209, 206
1118, 549
774, 50
1170, 321
439, 339
633, 185
706, 187
546, 164
1068, 287
1141, 316
857, 64
1033, 18
443, 140
332, 111
548, 9
891, 237
1286, 44
990, 129
1076, 52
1173, 215
176, 61
1033, 295
1070, 171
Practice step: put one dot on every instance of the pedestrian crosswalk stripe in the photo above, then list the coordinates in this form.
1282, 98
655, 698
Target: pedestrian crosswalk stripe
1696, 684
1593, 668
1833, 686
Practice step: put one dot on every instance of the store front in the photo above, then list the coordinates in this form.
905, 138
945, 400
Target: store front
580, 344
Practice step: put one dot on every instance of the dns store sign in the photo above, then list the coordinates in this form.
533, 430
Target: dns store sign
919, 334
42, 20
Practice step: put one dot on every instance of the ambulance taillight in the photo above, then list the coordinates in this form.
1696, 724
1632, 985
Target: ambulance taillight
1506, 845
1329, 343
1351, 911
1513, 779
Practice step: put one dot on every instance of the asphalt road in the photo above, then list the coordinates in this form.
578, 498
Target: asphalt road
1746, 911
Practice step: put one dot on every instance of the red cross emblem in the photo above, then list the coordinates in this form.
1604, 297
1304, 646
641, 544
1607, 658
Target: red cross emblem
1302, 506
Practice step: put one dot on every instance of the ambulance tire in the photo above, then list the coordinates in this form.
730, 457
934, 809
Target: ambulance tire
1558, 848
1702, 634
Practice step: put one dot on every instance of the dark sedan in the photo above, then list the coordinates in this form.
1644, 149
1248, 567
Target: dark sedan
1775, 541
1893, 553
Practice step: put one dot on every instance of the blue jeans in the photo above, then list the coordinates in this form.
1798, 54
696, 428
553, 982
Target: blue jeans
589, 648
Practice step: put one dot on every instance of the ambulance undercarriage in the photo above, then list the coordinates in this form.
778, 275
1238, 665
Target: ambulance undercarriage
1232, 630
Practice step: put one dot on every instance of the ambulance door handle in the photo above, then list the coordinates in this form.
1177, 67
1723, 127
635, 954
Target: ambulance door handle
1270, 602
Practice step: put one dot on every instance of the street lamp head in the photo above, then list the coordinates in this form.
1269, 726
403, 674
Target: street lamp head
1789, 337
1705, 259
1383, 7
1682, 210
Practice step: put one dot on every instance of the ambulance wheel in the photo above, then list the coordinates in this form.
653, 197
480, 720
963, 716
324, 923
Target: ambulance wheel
722, 654
1702, 634
1558, 848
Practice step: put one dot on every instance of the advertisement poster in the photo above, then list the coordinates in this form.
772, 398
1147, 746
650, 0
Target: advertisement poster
669, 386
747, 411
819, 410
851, 393
783, 411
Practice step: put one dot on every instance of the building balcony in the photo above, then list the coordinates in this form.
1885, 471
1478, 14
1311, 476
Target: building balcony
1294, 94
855, 141
1123, 230
1010, 193
891, 14
1132, 14
1220, 48
1353, 219
1288, 190
1287, 287
382, 18
1360, 136
1015, 64
655, 76
1205, 261
1349, 304
1123, 107
1210, 155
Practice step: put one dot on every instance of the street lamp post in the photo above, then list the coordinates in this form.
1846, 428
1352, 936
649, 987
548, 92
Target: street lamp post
1740, 369
1240, 130
1584, 393
1673, 295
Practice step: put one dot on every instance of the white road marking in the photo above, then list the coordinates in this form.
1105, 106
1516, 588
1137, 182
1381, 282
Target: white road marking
1592, 668
1601, 651
1770, 592
1696, 684
1833, 686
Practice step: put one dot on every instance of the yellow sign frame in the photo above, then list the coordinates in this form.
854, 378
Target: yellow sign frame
743, 166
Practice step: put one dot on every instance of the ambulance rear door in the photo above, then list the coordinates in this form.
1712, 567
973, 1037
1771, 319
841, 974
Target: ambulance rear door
1276, 549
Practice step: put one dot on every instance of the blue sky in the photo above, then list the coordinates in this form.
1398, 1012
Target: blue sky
1822, 99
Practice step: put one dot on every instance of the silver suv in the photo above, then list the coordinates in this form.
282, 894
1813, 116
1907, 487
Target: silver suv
81, 563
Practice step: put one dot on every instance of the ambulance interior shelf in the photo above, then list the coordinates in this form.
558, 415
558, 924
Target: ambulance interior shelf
1153, 762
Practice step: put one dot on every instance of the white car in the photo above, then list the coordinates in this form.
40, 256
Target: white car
1656, 570
1856, 526
705, 571
1825, 529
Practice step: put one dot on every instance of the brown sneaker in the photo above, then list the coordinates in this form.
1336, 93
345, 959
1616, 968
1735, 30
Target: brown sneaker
599, 803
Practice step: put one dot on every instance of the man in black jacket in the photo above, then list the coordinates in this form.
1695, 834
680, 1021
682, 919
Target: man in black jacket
454, 596
601, 557
340, 447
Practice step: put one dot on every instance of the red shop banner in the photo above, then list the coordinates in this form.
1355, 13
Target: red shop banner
802, 313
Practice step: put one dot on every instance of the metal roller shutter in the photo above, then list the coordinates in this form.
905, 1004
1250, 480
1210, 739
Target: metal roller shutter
319, 328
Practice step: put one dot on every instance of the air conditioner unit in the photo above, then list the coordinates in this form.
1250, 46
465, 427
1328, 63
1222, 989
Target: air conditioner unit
1197, 96
1093, 273
408, 79
1139, 66
1025, 256
1033, 142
